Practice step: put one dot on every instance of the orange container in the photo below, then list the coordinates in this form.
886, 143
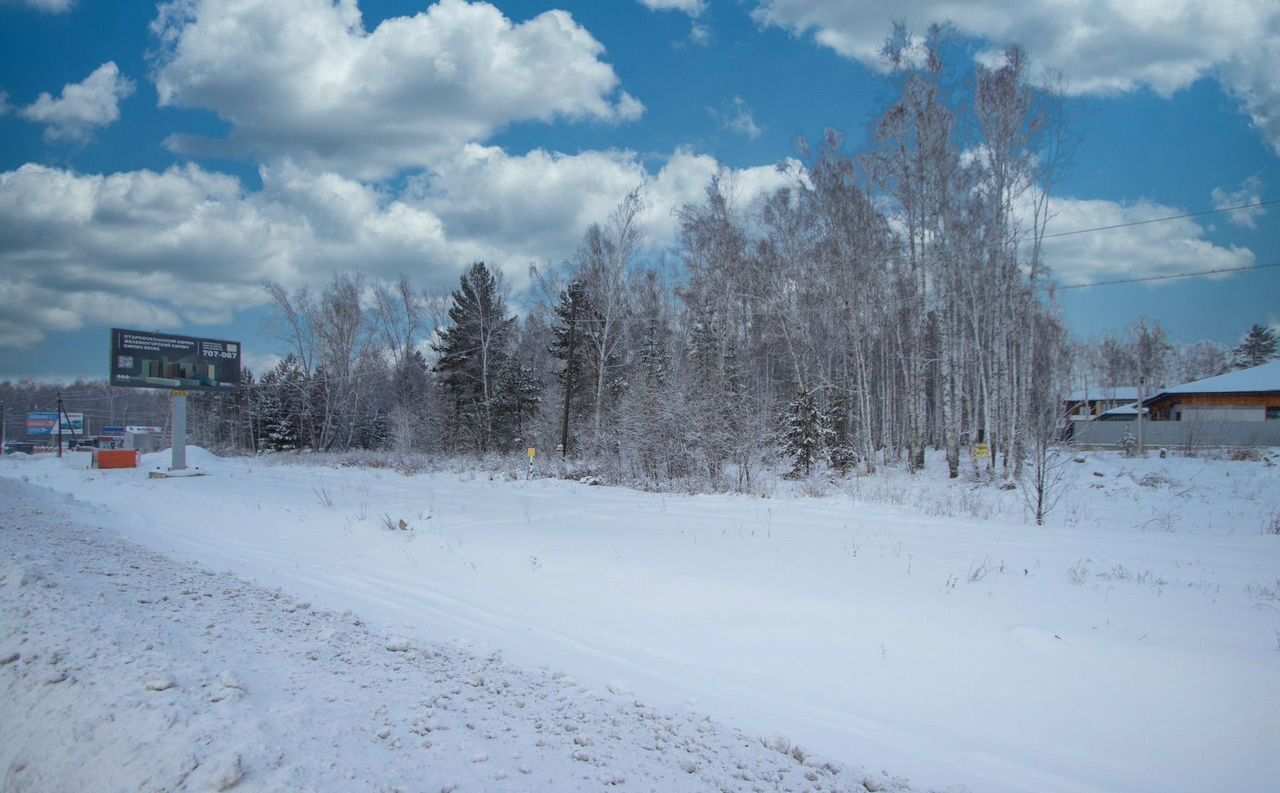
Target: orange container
115, 458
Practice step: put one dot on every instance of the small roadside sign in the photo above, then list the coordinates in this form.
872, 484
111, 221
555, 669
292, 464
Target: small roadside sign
532, 452
981, 450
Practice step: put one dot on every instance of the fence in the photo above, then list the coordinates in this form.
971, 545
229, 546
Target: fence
1178, 434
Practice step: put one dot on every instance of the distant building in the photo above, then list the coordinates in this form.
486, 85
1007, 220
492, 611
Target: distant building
1246, 395
1127, 412
1087, 404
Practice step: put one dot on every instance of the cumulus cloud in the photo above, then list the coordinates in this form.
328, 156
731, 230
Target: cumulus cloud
1105, 47
1136, 251
83, 106
740, 120
48, 6
303, 79
190, 246
690, 7
534, 207
1250, 192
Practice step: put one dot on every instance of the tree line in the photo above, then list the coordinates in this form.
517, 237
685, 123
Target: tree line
873, 307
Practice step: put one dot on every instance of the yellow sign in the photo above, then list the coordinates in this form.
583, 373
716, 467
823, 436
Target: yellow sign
981, 450
532, 452
177, 393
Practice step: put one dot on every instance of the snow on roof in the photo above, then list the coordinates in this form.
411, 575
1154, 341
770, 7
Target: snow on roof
1245, 381
1130, 409
1126, 392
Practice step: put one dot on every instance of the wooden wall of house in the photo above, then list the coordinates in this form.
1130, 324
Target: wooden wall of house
1163, 410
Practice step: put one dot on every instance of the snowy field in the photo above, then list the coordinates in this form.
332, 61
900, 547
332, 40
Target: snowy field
915, 627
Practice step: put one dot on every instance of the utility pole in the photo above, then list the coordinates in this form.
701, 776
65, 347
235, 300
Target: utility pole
2, 427
59, 422
1142, 450
568, 373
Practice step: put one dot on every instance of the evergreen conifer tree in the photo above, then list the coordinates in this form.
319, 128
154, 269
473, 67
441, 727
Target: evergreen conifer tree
568, 344
518, 396
805, 433
472, 352
1256, 348
281, 405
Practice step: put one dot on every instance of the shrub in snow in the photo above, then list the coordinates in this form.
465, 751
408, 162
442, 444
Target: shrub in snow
1129, 443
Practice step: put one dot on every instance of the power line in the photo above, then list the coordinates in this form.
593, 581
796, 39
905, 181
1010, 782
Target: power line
1166, 277
1161, 220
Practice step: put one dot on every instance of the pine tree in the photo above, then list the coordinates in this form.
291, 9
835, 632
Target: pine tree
805, 433
569, 345
518, 395
280, 406
1256, 348
472, 351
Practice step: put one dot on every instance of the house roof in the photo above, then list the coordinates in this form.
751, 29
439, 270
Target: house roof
1126, 393
1255, 380
1130, 409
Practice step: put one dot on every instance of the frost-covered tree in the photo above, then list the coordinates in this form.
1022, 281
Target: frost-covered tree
472, 350
517, 398
568, 345
805, 433
604, 265
1257, 346
1203, 359
842, 448
282, 405
1152, 352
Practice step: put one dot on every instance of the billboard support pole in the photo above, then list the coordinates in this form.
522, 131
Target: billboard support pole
59, 422
179, 431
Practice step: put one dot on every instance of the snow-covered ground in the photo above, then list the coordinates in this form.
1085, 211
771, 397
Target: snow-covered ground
124, 670
911, 625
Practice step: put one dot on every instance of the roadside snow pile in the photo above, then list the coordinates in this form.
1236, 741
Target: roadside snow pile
122, 670
197, 457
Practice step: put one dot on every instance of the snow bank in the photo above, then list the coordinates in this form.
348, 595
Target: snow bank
197, 457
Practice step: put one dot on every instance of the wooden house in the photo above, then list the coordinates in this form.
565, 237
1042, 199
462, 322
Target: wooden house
1246, 395
1086, 404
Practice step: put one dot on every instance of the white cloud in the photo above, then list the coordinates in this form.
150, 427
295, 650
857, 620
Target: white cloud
1136, 251
83, 106
741, 121
189, 246
690, 7
303, 79
533, 208
48, 6
260, 363
1103, 47
700, 34
1250, 192
1251, 76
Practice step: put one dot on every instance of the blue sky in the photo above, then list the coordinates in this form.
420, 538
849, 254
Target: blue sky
157, 162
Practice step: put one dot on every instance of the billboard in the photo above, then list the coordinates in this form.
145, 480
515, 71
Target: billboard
140, 359
41, 423
46, 424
